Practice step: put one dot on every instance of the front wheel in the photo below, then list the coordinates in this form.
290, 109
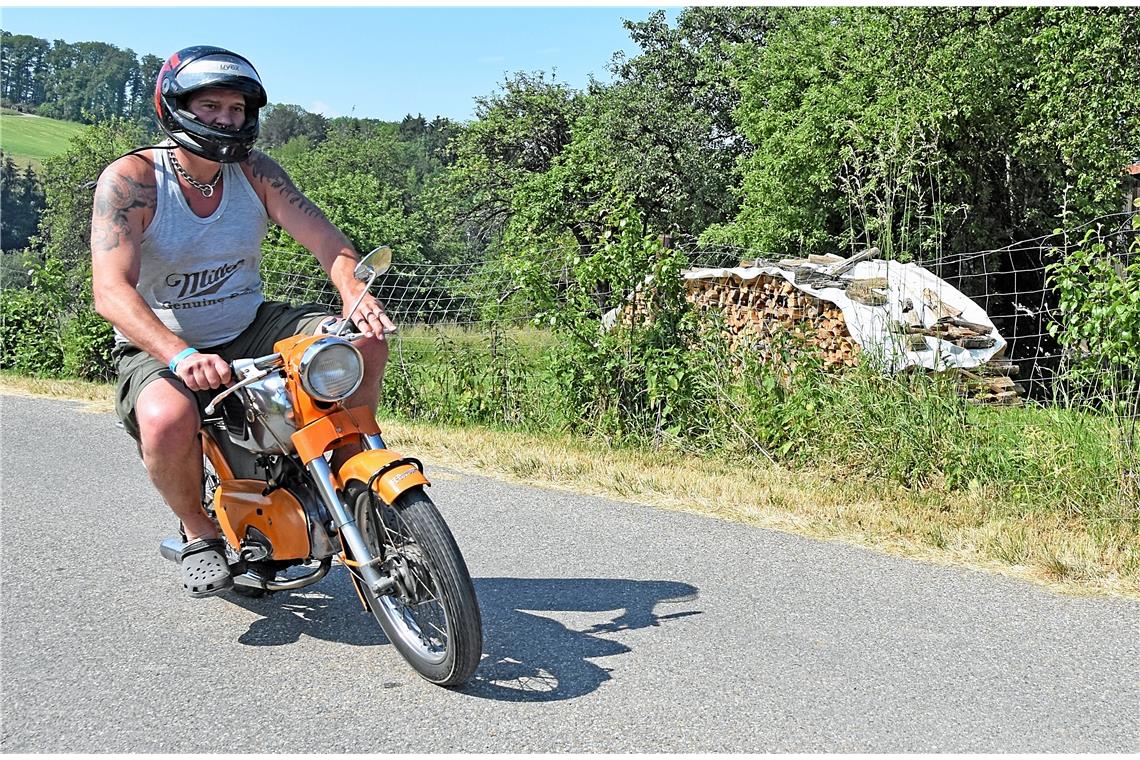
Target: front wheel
432, 618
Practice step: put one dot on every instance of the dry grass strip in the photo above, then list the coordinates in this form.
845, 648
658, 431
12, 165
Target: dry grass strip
971, 529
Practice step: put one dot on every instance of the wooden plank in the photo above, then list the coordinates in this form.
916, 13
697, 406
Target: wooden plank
941, 309
838, 269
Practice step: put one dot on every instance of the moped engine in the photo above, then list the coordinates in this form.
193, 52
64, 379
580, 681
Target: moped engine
261, 419
248, 512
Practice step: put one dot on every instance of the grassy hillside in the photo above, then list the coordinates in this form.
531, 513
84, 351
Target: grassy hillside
31, 139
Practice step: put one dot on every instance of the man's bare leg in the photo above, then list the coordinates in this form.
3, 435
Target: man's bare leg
168, 426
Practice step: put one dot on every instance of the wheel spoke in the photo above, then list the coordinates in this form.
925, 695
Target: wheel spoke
419, 552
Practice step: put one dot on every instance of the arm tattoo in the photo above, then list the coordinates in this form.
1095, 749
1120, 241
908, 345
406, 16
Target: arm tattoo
265, 169
115, 198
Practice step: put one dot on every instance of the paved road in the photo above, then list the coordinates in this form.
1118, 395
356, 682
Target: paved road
609, 627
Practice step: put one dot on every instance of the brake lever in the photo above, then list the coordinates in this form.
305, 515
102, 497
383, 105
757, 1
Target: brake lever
336, 329
251, 378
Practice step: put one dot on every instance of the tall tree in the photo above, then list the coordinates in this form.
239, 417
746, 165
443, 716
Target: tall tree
23, 65
282, 122
517, 136
90, 81
21, 203
924, 130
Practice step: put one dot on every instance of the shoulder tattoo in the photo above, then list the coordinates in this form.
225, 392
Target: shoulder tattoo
266, 170
115, 197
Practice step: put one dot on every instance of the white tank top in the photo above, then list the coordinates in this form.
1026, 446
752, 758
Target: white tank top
201, 275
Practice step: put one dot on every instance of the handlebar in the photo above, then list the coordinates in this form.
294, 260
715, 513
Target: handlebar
258, 368
263, 365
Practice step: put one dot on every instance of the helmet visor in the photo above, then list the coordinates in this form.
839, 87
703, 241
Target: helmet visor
229, 72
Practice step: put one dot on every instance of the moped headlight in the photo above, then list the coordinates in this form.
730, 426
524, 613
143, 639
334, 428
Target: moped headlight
331, 369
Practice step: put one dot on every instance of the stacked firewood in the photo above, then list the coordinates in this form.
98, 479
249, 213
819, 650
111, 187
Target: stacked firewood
758, 313
767, 313
991, 383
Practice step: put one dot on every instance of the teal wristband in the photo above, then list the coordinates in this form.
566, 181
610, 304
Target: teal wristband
179, 357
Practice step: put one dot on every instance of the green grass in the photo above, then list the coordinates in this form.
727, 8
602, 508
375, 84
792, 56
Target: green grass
525, 337
29, 140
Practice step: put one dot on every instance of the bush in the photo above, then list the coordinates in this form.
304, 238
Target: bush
1099, 322
87, 343
30, 333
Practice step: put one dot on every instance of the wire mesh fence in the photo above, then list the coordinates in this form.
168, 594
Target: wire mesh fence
1010, 284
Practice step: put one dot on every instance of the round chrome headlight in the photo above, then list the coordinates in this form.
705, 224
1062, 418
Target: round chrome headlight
331, 369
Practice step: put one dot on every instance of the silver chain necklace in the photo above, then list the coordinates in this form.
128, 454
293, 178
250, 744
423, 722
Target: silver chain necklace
206, 189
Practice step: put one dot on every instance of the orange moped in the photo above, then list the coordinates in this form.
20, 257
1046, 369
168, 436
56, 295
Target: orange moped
285, 513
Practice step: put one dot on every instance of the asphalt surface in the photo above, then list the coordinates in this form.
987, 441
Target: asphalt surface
609, 627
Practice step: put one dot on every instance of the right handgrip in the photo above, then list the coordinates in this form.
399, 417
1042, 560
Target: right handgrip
256, 375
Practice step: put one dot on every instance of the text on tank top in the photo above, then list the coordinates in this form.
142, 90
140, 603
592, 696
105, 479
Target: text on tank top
201, 275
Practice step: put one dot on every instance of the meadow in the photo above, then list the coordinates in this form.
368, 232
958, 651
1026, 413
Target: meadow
29, 139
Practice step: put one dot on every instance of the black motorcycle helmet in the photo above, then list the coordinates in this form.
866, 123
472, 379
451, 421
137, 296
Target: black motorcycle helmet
197, 68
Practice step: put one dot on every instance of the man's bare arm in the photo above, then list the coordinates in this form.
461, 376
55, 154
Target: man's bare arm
125, 199
116, 197
297, 215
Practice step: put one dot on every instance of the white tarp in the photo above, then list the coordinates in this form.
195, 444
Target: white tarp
870, 325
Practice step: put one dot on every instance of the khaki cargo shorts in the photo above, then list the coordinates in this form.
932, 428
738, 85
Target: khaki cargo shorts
274, 321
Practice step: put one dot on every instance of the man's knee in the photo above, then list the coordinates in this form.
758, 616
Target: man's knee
375, 355
167, 417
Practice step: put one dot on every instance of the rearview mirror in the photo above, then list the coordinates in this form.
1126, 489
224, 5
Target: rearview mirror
376, 262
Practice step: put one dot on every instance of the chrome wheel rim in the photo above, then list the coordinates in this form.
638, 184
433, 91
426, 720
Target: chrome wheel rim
421, 622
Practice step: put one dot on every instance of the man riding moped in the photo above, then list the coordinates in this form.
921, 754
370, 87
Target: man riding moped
176, 236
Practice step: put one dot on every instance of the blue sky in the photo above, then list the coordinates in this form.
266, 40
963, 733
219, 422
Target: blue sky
379, 62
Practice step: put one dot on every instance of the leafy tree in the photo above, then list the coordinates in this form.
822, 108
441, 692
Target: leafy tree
517, 136
544, 160
673, 103
412, 127
353, 126
1081, 124
357, 183
90, 81
432, 137
926, 129
85, 81
281, 123
23, 63
141, 88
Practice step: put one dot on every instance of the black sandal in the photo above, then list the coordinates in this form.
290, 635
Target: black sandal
204, 568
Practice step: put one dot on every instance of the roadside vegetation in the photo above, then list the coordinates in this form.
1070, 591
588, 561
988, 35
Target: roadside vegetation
985, 525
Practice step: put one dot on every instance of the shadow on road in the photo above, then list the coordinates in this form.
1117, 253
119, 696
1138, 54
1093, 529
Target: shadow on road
527, 655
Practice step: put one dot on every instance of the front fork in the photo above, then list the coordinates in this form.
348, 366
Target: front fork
344, 522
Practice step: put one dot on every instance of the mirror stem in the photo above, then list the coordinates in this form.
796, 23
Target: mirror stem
348, 317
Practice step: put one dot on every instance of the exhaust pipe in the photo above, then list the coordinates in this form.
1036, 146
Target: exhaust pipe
171, 549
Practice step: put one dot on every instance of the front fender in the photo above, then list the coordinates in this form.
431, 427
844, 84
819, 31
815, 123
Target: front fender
397, 473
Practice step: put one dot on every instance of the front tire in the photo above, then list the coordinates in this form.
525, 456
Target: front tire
433, 617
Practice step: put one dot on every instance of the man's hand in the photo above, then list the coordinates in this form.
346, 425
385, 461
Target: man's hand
371, 320
202, 372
